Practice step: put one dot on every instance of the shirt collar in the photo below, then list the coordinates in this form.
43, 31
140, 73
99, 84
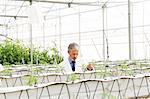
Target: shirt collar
70, 60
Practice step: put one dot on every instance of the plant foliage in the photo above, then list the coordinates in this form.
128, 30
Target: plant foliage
16, 53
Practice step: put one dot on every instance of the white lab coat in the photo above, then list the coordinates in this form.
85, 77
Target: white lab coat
67, 67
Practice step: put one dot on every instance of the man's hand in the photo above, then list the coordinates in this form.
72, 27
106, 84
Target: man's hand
90, 67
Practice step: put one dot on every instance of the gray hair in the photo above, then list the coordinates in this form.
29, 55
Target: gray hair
73, 45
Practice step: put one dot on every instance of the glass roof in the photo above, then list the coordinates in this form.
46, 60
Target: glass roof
84, 19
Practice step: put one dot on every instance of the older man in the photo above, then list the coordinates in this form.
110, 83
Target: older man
72, 63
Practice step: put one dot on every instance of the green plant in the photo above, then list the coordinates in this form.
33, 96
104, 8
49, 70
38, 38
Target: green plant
124, 66
103, 73
130, 72
36, 70
107, 95
6, 72
32, 80
144, 64
56, 57
15, 52
126, 69
73, 77
10, 52
58, 69
7, 64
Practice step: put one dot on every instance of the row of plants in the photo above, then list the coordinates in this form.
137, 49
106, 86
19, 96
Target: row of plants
16, 53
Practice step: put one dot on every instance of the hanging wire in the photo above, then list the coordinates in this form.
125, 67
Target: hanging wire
17, 12
106, 34
47, 12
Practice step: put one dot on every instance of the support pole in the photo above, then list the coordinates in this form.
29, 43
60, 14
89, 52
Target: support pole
79, 28
103, 21
60, 35
129, 31
31, 42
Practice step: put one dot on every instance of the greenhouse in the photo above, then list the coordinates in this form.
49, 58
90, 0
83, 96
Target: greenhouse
74, 49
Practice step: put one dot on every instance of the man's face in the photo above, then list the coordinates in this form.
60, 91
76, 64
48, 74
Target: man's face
73, 53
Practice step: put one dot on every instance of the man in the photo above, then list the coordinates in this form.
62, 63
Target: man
72, 64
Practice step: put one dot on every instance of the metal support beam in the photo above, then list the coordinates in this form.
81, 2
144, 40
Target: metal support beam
69, 3
129, 31
31, 41
103, 22
79, 27
6, 37
60, 35
14, 16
